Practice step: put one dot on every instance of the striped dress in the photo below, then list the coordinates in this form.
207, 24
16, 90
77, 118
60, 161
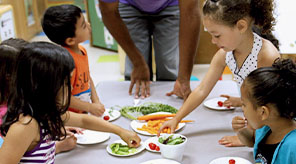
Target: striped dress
44, 152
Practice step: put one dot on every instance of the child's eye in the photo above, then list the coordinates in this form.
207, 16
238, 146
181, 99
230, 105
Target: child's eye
217, 36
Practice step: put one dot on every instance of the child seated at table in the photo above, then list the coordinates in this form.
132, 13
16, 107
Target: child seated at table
9, 50
66, 26
269, 101
38, 107
230, 23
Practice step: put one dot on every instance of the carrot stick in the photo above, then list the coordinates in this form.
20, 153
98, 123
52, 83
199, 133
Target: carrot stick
185, 121
182, 121
156, 116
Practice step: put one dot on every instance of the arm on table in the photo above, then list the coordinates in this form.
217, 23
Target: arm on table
200, 92
93, 108
188, 43
140, 74
94, 123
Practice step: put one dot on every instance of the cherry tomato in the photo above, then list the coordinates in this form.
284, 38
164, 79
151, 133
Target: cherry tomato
152, 146
157, 148
220, 103
106, 118
231, 161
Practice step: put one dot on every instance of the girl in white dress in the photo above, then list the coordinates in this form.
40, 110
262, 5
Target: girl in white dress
230, 24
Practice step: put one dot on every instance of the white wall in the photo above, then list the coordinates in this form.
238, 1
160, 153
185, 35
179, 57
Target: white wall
285, 29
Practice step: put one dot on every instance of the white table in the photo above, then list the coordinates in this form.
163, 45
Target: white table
203, 135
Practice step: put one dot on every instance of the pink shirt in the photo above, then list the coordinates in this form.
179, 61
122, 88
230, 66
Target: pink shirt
3, 109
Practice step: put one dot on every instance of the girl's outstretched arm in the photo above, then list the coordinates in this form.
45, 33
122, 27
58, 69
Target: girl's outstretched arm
200, 92
20, 138
98, 124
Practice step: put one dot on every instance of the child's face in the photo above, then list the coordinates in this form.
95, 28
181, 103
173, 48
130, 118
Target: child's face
223, 36
83, 30
251, 114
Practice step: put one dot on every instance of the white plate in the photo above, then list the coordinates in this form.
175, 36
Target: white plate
115, 114
151, 140
160, 161
213, 104
136, 124
92, 137
139, 149
225, 160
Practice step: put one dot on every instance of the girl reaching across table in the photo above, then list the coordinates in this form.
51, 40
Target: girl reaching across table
230, 24
37, 107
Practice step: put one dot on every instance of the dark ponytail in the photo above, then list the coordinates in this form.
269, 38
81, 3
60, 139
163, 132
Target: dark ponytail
275, 86
262, 12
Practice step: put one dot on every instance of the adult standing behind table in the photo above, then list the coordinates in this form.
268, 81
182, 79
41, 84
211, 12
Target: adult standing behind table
174, 26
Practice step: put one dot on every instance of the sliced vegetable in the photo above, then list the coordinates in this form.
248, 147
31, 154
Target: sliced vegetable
152, 146
220, 103
120, 149
106, 118
171, 141
231, 161
132, 112
155, 116
110, 112
157, 148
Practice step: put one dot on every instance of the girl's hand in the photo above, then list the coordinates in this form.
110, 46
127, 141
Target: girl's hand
232, 101
72, 130
238, 123
131, 138
96, 109
172, 124
67, 144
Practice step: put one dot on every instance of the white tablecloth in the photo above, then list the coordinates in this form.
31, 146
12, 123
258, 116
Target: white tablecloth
203, 135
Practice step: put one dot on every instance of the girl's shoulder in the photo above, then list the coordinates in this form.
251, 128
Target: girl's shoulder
218, 59
27, 123
267, 54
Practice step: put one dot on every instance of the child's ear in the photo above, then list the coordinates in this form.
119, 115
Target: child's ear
242, 25
264, 112
70, 41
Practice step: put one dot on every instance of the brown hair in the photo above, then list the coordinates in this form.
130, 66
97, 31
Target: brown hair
229, 12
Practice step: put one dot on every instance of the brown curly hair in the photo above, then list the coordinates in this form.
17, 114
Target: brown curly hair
231, 11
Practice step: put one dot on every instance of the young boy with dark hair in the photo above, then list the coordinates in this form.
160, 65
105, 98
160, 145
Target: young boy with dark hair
66, 26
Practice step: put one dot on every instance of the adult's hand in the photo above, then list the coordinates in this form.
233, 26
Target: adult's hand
181, 89
141, 78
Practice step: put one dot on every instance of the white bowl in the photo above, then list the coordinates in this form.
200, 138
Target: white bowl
174, 152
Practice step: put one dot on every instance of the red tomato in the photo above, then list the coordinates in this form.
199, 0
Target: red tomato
106, 118
231, 161
220, 103
157, 148
152, 146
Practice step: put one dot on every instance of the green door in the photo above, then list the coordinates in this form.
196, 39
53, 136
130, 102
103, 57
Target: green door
101, 37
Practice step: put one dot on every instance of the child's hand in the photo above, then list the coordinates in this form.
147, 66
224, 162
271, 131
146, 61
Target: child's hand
232, 101
96, 109
131, 138
238, 123
172, 124
74, 130
67, 144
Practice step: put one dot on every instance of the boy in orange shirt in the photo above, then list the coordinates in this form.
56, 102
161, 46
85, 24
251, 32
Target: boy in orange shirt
66, 26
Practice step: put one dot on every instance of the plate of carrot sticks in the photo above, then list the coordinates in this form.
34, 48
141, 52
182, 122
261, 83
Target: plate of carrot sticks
150, 124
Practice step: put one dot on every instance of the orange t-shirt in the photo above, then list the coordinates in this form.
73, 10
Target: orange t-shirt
80, 79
